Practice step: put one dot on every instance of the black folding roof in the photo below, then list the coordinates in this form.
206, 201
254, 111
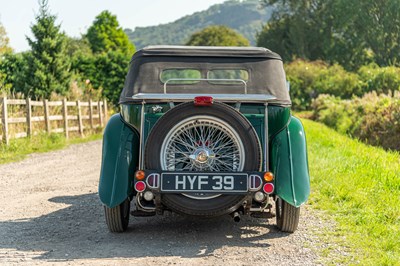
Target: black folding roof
265, 68
207, 51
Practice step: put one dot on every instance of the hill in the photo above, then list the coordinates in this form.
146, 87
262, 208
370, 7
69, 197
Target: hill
246, 17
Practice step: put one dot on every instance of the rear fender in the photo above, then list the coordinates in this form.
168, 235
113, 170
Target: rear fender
119, 161
289, 163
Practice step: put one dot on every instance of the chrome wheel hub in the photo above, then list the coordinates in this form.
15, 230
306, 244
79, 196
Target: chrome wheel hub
202, 156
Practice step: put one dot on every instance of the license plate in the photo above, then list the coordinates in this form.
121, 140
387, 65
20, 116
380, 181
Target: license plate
204, 182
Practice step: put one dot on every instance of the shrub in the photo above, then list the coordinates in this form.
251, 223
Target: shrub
302, 76
379, 79
373, 118
310, 79
337, 81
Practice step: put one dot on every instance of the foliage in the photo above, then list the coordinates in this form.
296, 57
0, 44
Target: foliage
14, 68
4, 42
5, 50
373, 118
378, 23
4, 87
379, 79
351, 33
78, 46
245, 17
302, 76
105, 35
217, 36
48, 64
105, 71
310, 79
101, 58
359, 186
92, 66
336, 81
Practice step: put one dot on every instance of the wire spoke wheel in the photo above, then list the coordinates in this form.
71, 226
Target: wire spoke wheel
209, 139
202, 143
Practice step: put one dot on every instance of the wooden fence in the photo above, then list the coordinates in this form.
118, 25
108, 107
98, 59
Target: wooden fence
96, 113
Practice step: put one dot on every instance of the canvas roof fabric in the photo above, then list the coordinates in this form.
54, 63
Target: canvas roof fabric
264, 67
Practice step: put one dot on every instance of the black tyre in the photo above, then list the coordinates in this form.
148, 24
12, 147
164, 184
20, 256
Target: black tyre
287, 216
117, 218
213, 138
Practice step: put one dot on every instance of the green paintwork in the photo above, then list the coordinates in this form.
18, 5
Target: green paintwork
119, 161
290, 165
288, 151
278, 117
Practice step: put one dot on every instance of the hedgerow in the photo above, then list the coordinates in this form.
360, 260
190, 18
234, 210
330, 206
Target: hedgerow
308, 80
373, 118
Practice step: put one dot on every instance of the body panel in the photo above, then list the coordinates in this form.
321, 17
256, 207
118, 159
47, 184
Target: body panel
289, 163
119, 161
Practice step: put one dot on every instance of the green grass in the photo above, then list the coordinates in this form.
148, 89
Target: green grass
359, 186
20, 148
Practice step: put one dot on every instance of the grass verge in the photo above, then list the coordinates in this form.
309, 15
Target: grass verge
359, 186
20, 148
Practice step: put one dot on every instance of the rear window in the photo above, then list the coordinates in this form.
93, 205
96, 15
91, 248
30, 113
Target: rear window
228, 74
180, 76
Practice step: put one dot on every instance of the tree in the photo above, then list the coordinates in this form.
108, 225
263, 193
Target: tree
335, 31
4, 86
217, 36
5, 49
107, 65
105, 35
378, 23
15, 71
4, 42
299, 29
48, 64
78, 46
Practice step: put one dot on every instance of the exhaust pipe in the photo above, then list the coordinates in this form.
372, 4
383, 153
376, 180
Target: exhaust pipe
236, 217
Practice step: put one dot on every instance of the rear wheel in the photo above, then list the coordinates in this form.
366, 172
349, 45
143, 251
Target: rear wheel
287, 216
117, 218
215, 138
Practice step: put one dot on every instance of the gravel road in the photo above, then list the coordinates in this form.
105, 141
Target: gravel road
50, 213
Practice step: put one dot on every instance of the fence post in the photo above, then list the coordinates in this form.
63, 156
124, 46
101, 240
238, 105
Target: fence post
65, 114
29, 116
105, 111
78, 104
4, 120
91, 113
46, 115
100, 113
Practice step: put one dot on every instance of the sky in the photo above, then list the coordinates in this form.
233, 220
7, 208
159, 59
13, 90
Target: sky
76, 16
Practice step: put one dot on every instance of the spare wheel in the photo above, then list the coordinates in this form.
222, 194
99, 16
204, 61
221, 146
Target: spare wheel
213, 138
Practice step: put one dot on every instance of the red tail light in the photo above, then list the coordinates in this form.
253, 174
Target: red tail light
140, 186
268, 188
203, 100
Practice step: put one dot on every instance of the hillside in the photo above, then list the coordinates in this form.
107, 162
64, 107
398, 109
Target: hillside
246, 17
359, 186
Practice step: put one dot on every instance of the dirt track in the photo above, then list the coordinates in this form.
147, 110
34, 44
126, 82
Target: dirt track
50, 212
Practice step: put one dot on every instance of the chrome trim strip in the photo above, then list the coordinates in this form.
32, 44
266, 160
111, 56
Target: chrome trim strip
266, 141
253, 98
215, 80
141, 137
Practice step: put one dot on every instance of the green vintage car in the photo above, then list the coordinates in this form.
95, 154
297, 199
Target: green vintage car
204, 131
